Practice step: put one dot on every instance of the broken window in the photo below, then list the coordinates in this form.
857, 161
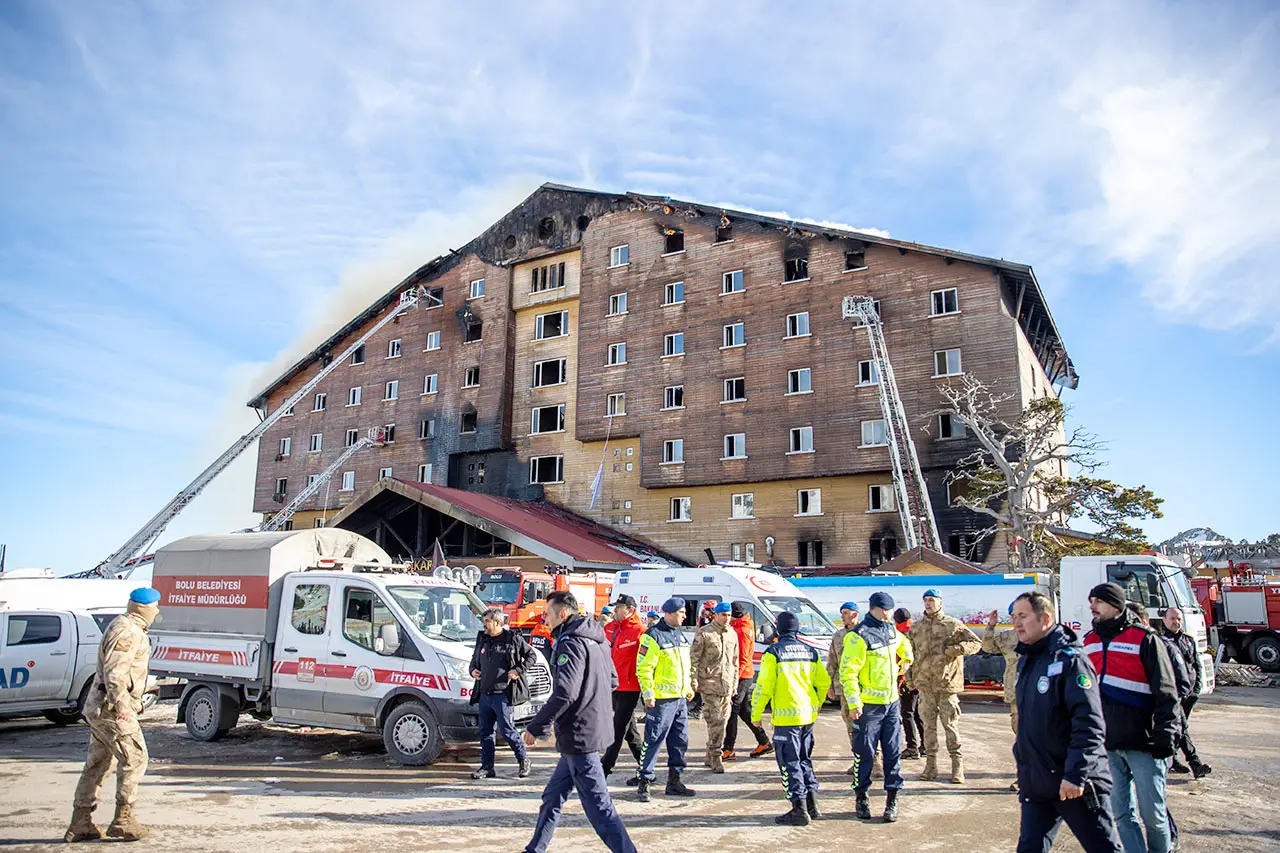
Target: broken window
549, 277
389, 434
810, 552
471, 378
468, 422
547, 419
551, 325
546, 469
474, 332
855, 260
724, 231
796, 269
549, 372
883, 549
673, 397
950, 427
434, 297
357, 357
674, 241
963, 545
427, 428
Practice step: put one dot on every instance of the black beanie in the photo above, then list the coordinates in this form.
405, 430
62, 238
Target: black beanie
739, 610
1109, 593
788, 623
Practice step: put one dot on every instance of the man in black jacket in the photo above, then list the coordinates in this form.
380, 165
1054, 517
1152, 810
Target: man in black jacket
581, 709
1171, 629
498, 663
1063, 772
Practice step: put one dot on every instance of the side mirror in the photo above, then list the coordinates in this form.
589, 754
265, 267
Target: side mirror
388, 640
1189, 571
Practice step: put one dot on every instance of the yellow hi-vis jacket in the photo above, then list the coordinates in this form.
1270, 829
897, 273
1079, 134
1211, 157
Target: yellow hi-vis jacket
662, 663
875, 656
794, 680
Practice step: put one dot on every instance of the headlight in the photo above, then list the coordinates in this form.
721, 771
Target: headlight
455, 667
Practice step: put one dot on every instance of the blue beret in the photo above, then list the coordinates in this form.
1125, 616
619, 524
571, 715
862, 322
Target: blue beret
1011, 603
724, 607
652, 614
849, 605
882, 599
145, 595
932, 593
673, 604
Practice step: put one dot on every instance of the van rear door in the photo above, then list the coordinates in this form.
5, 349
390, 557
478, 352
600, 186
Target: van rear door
37, 655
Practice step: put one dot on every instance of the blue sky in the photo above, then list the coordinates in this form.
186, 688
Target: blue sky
193, 193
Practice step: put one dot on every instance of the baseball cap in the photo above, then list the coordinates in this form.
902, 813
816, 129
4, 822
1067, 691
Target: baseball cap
624, 599
724, 607
882, 599
673, 604
932, 593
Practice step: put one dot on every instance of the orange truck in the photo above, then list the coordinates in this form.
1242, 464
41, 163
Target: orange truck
522, 594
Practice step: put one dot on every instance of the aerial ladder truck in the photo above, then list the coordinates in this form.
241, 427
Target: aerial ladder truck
914, 509
121, 563
376, 438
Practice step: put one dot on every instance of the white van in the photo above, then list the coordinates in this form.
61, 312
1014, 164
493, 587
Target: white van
764, 594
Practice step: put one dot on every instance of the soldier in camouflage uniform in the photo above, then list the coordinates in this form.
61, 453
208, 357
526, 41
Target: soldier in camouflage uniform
940, 643
995, 642
115, 735
849, 620
713, 661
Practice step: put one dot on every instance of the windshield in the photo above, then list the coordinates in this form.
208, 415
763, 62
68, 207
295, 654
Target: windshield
812, 622
499, 592
1181, 587
440, 613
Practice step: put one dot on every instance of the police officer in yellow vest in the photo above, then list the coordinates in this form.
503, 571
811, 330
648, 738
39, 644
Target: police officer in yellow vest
875, 657
666, 686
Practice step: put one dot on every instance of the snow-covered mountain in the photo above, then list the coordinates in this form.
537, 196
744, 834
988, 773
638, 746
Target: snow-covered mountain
1196, 537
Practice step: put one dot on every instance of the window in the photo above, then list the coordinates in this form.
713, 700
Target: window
477, 288
553, 325
744, 551
796, 269
33, 630
616, 405
873, 434
282, 486
467, 424
856, 260
946, 363
389, 434
809, 502
549, 277
288, 525
880, 499
348, 481
868, 373
317, 442
431, 383
434, 297
384, 473
724, 231
674, 241
321, 403
735, 335
546, 469
288, 413
433, 341
810, 552
317, 523
426, 428
1141, 583
963, 545
733, 282
310, 608
673, 451
311, 479
735, 390
951, 427
882, 549
286, 446
547, 419
474, 331
619, 256
617, 354
393, 348
798, 325
357, 357
617, 304
735, 446
944, 302
424, 473
471, 377
353, 396
681, 509
802, 440
673, 397
364, 614
549, 372
743, 506
392, 390
352, 436
673, 344
673, 294
800, 381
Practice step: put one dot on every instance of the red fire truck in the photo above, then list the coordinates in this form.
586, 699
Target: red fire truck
1244, 614
522, 593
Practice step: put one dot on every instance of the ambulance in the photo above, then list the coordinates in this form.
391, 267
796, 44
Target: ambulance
764, 594
320, 628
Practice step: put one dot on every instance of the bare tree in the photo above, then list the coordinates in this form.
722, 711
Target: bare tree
1018, 477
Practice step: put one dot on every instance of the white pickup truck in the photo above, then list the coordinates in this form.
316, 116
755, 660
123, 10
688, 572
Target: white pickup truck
319, 628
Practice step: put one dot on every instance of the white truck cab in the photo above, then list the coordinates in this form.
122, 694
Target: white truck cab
319, 627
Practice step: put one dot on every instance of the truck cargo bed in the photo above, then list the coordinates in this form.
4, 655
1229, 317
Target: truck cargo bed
194, 656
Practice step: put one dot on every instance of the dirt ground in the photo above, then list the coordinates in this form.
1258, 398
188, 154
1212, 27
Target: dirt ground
272, 788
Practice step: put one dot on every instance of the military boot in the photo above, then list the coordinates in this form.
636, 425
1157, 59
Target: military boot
642, 790
930, 773
891, 807
862, 807
811, 805
796, 817
676, 788
82, 828
957, 770
125, 827
714, 761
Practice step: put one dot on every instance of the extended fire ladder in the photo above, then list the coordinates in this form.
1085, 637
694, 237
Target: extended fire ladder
150, 532
914, 508
376, 437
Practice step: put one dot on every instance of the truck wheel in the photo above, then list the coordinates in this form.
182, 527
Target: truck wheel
204, 713
149, 700
1265, 652
62, 717
411, 734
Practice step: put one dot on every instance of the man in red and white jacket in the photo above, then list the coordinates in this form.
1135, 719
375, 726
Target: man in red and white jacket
623, 634
1140, 706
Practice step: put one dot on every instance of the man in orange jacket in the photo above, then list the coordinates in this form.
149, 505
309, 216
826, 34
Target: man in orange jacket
623, 634
741, 707
540, 638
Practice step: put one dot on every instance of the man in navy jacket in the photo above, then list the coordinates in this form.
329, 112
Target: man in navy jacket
581, 710
1063, 772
